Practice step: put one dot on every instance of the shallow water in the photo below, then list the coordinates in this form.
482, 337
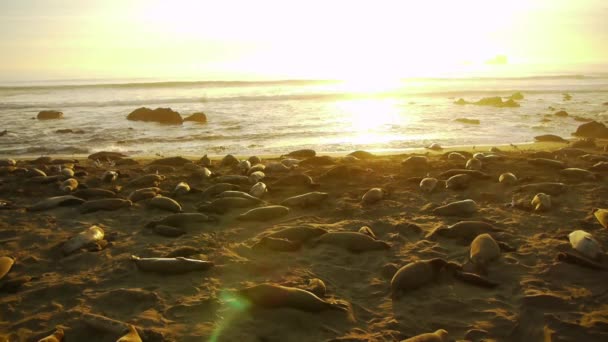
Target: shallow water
274, 117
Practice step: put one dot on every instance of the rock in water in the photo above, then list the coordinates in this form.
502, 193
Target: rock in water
199, 117
592, 129
160, 115
49, 115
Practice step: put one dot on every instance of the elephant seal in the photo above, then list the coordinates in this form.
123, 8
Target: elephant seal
507, 178
547, 187
67, 172
6, 264
168, 231
86, 237
459, 208
264, 213
255, 168
94, 193
104, 204
541, 202
576, 259
362, 155
147, 180
551, 163
69, 185
440, 335
57, 201
143, 194
428, 184
171, 265
258, 190
295, 180
353, 241
218, 188
466, 230
273, 296
434, 147
585, 244
599, 166
602, 217
244, 165
415, 162
109, 176
455, 156
458, 182
306, 200
131, 336
472, 173
34, 172
483, 250
277, 168
473, 164
241, 194
229, 161
8, 162
415, 275
224, 204
373, 195
56, 336
232, 179
165, 203
298, 234
475, 279
291, 162
180, 220
256, 176
276, 244
205, 161
304, 153
578, 174
254, 160
181, 188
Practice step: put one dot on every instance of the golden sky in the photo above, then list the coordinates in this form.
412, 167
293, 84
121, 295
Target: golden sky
270, 39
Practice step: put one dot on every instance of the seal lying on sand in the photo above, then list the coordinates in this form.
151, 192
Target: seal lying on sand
415, 275
466, 230
171, 265
306, 200
585, 244
264, 213
82, 239
53, 202
484, 249
373, 195
273, 296
180, 220
440, 335
459, 208
104, 204
298, 234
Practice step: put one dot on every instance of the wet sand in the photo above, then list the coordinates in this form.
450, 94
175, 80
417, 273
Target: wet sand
538, 298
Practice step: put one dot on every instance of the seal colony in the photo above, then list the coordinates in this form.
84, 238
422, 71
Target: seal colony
505, 245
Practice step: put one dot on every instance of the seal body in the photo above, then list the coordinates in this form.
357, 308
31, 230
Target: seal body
484, 249
258, 190
440, 335
458, 182
256, 176
272, 296
415, 275
264, 213
94, 193
181, 188
416, 162
53, 202
165, 203
144, 193
507, 178
602, 217
82, 239
298, 234
585, 244
353, 241
171, 265
373, 195
541, 202
459, 208
147, 180
546, 187
428, 184
276, 244
218, 188
306, 200
69, 185
473, 164
578, 174
241, 194
104, 204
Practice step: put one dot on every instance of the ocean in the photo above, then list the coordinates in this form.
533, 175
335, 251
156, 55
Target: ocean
274, 117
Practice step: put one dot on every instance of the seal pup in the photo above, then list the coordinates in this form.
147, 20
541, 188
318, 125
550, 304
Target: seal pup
131, 336
255, 160
373, 195
306, 200
258, 190
229, 161
484, 249
440, 335
264, 213
458, 182
181, 188
171, 265
241, 194
143, 194
459, 208
89, 236
109, 176
602, 217
415, 275
507, 178
271, 296
69, 185
104, 204
415, 162
56, 336
541, 202
551, 163
57, 201
352, 241
585, 244
455, 156
473, 173
290, 162
428, 184
304, 153
473, 164
256, 176
165, 203
6, 263
218, 188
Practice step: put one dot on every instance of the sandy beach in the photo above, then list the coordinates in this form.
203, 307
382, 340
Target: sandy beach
93, 292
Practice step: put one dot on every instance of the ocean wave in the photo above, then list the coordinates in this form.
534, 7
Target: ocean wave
293, 97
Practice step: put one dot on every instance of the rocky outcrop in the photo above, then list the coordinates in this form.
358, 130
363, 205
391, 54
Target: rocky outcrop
199, 117
550, 138
592, 129
517, 96
160, 115
561, 113
49, 115
495, 101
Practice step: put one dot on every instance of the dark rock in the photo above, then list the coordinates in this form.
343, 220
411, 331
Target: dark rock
584, 143
199, 117
517, 96
49, 115
305, 153
592, 129
361, 154
160, 115
468, 121
550, 138
68, 130
461, 101
561, 113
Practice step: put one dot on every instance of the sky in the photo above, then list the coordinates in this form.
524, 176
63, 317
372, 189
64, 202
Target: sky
280, 39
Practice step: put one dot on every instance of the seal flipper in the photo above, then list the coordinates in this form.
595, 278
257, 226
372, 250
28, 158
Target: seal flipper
475, 279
